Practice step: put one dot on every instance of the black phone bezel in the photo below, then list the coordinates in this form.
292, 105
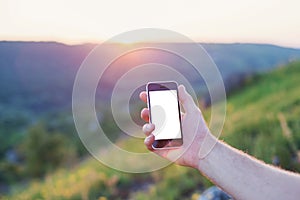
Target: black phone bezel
160, 86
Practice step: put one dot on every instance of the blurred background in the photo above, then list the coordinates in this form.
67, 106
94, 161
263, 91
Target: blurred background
255, 45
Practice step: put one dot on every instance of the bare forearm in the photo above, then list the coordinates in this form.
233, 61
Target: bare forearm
244, 177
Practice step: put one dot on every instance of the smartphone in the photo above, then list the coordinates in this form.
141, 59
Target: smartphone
164, 113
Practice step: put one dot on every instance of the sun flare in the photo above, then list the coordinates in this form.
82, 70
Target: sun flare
127, 41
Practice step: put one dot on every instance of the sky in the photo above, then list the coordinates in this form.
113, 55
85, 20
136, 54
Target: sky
226, 21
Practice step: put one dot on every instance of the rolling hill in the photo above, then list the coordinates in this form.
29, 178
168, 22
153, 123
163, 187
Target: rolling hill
36, 91
262, 119
38, 76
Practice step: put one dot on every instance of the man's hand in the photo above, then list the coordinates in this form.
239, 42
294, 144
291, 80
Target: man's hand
194, 131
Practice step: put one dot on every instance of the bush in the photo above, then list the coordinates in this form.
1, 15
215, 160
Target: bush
44, 151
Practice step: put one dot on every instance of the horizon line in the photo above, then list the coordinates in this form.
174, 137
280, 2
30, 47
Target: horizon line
145, 42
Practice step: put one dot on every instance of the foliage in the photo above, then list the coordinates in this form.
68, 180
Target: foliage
262, 119
44, 151
256, 117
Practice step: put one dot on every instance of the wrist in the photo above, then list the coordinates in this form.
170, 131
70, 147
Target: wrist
207, 147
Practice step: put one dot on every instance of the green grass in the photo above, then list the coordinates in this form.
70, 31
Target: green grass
92, 180
262, 119
257, 114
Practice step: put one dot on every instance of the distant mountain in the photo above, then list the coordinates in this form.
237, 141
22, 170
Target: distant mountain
38, 76
250, 57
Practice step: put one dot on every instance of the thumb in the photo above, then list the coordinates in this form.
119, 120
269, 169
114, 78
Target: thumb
186, 99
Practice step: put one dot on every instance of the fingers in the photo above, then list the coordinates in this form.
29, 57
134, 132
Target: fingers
148, 128
186, 99
145, 111
143, 96
149, 141
145, 114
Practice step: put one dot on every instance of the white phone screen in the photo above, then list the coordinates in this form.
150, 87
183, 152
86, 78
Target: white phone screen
165, 114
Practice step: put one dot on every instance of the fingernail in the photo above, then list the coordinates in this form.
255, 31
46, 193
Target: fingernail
148, 127
147, 140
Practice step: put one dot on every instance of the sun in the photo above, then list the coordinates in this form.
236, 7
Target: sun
127, 40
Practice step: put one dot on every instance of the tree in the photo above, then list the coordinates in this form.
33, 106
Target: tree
43, 150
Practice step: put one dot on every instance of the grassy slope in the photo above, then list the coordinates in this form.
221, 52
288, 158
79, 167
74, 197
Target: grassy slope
255, 123
267, 110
